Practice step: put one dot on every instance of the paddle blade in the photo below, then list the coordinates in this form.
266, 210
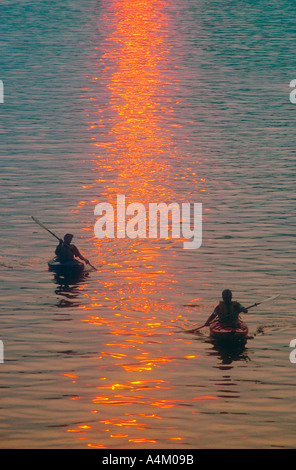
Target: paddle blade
195, 330
270, 298
262, 301
93, 267
38, 222
43, 226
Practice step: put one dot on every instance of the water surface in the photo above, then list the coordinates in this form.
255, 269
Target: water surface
161, 102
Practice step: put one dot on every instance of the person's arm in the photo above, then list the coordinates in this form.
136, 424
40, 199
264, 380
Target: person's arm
241, 309
78, 254
212, 316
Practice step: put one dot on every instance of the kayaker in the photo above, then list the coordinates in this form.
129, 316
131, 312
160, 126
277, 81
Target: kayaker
65, 251
227, 310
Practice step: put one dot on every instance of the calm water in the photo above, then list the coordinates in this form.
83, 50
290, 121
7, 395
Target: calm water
163, 102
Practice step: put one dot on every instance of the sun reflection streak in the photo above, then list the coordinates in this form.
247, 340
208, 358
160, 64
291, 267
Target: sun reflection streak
132, 136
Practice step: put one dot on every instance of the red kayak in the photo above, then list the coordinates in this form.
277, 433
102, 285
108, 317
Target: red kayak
228, 332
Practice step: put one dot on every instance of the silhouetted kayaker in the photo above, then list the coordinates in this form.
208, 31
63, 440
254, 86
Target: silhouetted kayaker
227, 310
65, 251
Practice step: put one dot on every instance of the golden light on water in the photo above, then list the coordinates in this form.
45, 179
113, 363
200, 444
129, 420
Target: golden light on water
136, 138
132, 306
158, 102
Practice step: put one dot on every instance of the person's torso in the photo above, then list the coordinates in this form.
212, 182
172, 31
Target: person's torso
65, 253
228, 312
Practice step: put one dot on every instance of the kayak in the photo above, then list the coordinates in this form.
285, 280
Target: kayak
227, 332
72, 268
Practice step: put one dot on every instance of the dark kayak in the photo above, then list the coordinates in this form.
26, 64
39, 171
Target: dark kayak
228, 332
73, 267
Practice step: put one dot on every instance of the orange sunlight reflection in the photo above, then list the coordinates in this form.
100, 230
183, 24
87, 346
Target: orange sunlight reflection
132, 305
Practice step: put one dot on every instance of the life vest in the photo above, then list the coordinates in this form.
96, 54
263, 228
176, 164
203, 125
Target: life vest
64, 252
231, 311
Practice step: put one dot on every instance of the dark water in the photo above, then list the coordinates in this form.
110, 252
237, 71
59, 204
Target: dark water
162, 102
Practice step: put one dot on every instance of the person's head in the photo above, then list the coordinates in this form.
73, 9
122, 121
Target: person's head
68, 238
227, 296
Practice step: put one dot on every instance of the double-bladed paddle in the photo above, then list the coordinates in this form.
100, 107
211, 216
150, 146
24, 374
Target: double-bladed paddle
247, 308
47, 229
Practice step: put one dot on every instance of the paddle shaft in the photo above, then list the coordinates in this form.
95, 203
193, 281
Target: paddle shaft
251, 306
92, 266
45, 228
234, 313
247, 308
